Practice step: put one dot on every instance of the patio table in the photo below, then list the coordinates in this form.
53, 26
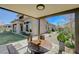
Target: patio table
40, 46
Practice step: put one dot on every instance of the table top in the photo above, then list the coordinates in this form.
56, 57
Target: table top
44, 45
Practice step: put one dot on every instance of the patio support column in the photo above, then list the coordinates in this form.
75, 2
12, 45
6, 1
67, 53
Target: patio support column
77, 31
38, 28
12, 27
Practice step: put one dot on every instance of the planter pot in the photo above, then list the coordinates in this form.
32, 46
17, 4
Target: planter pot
69, 50
61, 46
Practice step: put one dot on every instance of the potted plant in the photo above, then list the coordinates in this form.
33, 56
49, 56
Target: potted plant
69, 46
62, 38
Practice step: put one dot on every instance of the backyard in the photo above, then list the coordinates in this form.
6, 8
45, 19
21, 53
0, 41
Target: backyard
8, 37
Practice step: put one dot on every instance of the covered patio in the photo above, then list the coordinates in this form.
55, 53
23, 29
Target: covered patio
42, 11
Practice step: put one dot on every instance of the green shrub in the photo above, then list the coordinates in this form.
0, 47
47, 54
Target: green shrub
49, 31
69, 44
64, 35
61, 37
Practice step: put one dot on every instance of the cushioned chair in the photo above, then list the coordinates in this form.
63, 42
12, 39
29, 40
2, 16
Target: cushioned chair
12, 49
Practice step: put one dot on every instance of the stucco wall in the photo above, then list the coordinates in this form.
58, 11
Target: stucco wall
33, 26
34, 23
71, 24
43, 26
17, 26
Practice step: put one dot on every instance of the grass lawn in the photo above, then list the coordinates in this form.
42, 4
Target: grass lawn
8, 37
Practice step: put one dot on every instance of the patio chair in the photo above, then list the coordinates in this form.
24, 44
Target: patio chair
12, 49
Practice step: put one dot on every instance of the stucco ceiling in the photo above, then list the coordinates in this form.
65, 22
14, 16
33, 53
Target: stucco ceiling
30, 9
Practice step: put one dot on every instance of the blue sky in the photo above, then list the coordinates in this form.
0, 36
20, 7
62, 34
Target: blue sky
57, 20
6, 16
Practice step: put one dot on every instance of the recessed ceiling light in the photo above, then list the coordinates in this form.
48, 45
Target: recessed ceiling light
40, 7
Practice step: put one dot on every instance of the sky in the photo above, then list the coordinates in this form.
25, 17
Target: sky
57, 20
6, 16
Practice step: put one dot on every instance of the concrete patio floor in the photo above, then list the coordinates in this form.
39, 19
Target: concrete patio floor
21, 46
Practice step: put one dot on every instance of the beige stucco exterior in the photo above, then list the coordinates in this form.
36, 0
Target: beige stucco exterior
43, 26
33, 25
71, 24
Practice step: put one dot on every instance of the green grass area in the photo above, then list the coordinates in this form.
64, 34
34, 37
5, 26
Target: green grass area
8, 37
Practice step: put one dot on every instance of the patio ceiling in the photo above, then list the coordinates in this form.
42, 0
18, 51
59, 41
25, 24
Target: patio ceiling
30, 9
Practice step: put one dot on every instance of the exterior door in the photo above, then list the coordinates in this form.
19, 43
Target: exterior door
21, 27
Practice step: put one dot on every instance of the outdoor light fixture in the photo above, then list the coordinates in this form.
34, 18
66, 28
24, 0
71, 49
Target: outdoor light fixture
20, 16
40, 7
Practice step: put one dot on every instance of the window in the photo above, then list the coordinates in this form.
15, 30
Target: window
27, 29
14, 27
9, 26
27, 25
